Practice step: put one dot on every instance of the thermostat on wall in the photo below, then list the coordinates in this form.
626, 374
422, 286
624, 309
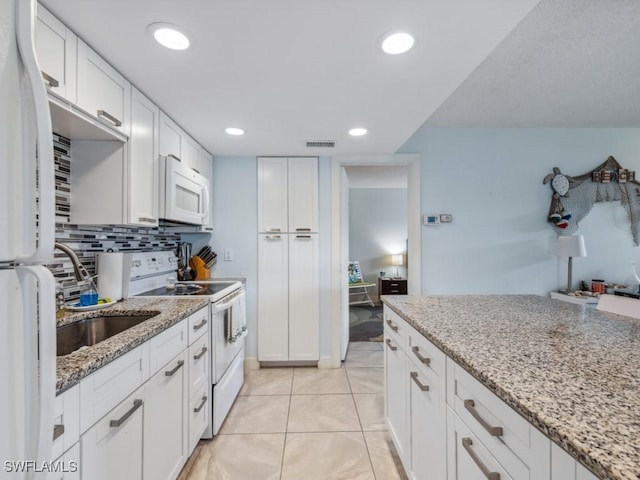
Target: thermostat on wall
429, 219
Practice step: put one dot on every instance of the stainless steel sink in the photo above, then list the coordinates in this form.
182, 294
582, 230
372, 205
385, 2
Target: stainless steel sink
90, 331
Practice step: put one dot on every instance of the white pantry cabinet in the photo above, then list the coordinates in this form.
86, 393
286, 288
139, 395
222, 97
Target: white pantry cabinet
287, 194
56, 50
118, 184
102, 91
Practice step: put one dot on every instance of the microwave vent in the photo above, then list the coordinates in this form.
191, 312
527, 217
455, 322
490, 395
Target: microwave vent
321, 144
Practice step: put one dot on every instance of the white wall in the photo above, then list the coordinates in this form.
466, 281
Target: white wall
491, 181
235, 223
377, 229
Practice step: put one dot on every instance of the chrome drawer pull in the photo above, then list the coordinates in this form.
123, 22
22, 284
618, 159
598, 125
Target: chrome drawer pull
393, 326
53, 83
495, 431
199, 407
171, 155
466, 443
57, 431
170, 373
273, 237
416, 352
303, 236
111, 118
303, 229
198, 326
421, 386
392, 347
196, 170
199, 355
137, 403
272, 230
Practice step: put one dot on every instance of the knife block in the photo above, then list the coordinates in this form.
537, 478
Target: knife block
198, 265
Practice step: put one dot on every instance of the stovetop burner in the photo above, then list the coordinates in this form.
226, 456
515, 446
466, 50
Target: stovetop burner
187, 289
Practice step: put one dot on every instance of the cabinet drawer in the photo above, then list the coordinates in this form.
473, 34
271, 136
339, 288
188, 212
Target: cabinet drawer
166, 345
199, 355
66, 421
395, 328
508, 436
104, 389
199, 414
425, 354
198, 324
70, 468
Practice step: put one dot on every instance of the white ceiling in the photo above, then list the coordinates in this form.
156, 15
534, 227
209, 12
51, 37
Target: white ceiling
568, 64
292, 71
376, 177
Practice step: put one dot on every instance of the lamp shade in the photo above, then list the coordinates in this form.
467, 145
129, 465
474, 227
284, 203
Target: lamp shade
571, 246
397, 260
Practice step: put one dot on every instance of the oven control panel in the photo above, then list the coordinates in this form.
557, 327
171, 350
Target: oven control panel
152, 263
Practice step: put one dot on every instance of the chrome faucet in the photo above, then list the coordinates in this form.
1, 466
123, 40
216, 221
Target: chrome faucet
81, 272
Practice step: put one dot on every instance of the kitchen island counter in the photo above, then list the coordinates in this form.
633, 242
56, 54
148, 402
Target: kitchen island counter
71, 368
572, 372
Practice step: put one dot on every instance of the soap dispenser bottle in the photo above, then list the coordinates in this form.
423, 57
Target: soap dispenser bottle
89, 296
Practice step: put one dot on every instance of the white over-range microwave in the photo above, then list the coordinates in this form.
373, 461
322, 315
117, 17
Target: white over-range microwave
184, 193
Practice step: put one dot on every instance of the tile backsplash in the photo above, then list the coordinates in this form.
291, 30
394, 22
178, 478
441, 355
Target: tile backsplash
89, 240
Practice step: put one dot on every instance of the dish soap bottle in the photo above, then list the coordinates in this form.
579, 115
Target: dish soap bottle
89, 296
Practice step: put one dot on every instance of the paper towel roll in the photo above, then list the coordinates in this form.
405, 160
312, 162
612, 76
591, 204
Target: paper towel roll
110, 269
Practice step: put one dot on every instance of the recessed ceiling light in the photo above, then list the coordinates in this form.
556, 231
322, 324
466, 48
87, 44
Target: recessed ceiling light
169, 36
357, 132
234, 131
397, 43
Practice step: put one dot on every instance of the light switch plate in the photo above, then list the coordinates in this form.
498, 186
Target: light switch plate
228, 254
446, 218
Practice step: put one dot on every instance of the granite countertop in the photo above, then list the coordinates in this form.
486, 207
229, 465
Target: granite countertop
572, 371
70, 369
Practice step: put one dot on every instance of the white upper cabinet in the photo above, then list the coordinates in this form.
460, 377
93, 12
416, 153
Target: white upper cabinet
102, 91
272, 195
191, 153
143, 177
303, 194
56, 51
170, 137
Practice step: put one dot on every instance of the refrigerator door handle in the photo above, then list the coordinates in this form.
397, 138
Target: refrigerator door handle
41, 362
25, 21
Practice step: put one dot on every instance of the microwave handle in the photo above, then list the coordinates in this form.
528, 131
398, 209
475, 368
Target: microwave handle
205, 208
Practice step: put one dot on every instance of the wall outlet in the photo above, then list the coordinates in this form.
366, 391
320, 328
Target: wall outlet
228, 254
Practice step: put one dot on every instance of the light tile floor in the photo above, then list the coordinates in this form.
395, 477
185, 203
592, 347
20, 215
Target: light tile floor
305, 424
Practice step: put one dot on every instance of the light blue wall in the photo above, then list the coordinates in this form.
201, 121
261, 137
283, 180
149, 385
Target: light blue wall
490, 180
377, 229
235, 222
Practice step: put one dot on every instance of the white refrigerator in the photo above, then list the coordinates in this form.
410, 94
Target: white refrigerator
27, 231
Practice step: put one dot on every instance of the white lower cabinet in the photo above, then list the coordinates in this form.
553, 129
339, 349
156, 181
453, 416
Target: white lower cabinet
67, 466
396, 398
112, 448
165, 423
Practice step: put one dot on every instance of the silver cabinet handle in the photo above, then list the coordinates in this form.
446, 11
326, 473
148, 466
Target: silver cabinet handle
111, 118
393, 326
390, 345
57, 431
303, 236
272, 230
470, 405
171, 155
421, 386
303, 229
199, 407
197, 171
137, 403
466, 443
273, 237
170, 373
147, 219
198, 326
53, 83
416, 352
199, 355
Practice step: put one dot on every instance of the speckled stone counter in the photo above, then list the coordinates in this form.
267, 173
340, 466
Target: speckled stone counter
70, 369
571, 371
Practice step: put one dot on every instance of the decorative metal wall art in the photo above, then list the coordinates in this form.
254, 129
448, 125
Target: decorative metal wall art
573, 197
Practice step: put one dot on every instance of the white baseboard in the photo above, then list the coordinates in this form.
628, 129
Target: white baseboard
251, 363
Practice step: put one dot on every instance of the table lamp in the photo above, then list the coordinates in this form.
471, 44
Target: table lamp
397, 260
570, 246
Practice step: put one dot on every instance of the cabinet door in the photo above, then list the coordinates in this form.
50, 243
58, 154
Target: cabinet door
56, 51
304, 304
191, 153
272, 195
170, 137
102, 91
273, 298
165, 421
396, 396
112, 448
303, 194
427, 424
143, 161
70, 465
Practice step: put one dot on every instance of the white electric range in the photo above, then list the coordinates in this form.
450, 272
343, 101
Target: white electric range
152, 274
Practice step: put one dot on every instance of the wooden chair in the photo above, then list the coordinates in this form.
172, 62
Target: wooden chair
358, 288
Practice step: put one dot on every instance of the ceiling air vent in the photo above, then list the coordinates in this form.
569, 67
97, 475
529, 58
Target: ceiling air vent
321, 144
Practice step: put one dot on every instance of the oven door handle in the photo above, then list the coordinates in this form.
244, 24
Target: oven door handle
224, 306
